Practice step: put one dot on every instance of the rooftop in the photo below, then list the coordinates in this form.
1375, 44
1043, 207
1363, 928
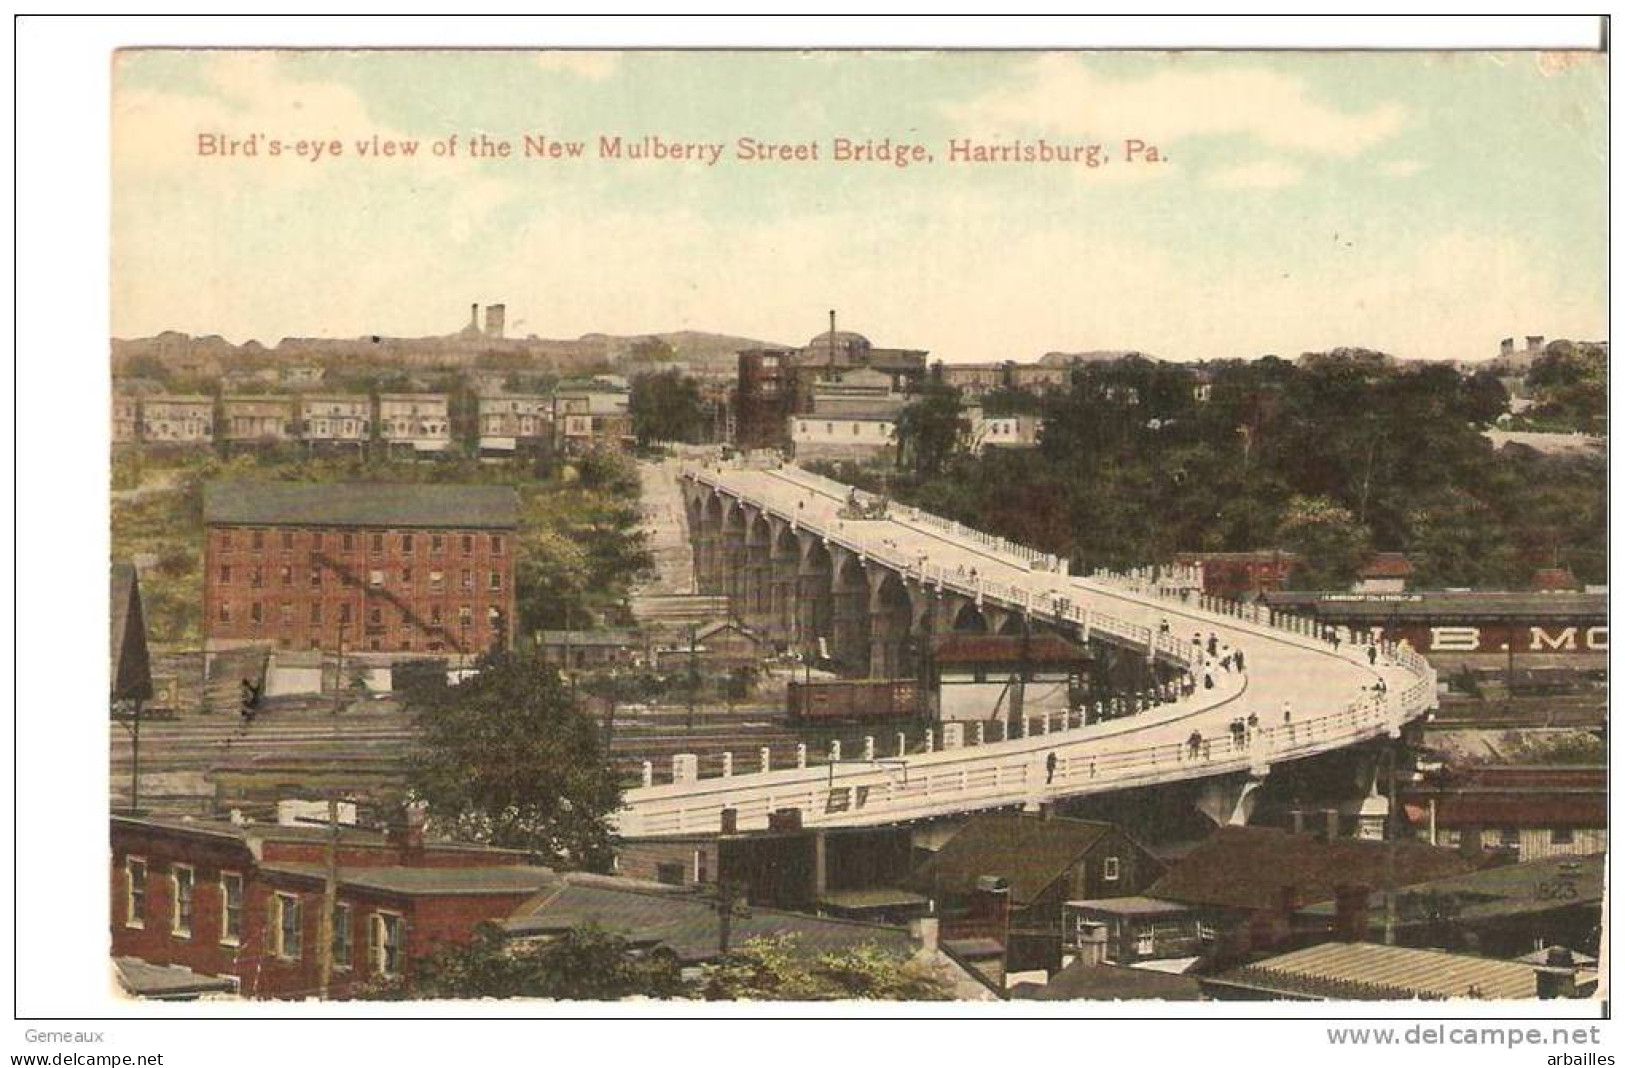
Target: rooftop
515, 879
1137, 905
1498, 892
1028, 851
685, 923
163, 981
361, 504
1109, 982
1363, 971
1253, 868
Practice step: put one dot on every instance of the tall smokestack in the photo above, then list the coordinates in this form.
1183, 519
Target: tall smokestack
496, 316
474, 317
832, 326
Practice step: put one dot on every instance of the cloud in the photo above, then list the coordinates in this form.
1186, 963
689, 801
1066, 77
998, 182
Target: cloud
1061, 95
1264, 174
1402, 168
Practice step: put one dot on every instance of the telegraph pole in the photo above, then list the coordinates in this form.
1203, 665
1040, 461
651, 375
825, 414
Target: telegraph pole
330, 898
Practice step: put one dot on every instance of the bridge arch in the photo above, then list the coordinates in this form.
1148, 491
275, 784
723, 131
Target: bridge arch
891, 617
849, 589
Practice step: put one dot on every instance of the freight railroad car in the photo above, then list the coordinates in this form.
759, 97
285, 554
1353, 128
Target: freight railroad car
855, 700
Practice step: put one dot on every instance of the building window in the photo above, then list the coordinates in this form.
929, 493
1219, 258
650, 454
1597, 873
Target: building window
225, 574
255, 580
406, 543
375, 577
468, 544
377, 543
406, 576
496, 545
135, 891
286, 933
1562, 836
316, 540
434, 614
465, 616
182, 882
284, 613
225, 612
231, 908
287, 575
1145, 942
341, 935
388, 942
344, 613
376, 617
670, 874
254, 613
287, 540
349, 542
496, 580
437, 580
225, 541
315, 578
437, 544
316, 614
1509, 837
256, 540
1110, 870
468, 578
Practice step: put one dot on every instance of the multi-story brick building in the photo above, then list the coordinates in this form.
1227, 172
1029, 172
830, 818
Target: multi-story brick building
257, 420
593, 416
245, 900
335, 419
420, 422
363, 566
177, 419
510, 422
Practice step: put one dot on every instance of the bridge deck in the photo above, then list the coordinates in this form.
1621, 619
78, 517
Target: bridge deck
1331, 691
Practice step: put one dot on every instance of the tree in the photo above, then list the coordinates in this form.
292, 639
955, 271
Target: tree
930, 429
777, 969
583, 964
1329, 543
507, 757
665, 406
1570, 381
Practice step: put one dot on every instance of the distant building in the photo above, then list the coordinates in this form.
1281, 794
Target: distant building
973, 380
126, 419
1383, 573
336, 419
775, 384
366, 566
1361, 971
588, 648
1526, 812
1003, 431
417, 422
1241, 575
859, 438
511, 422
177, 419
592, 416
258, 420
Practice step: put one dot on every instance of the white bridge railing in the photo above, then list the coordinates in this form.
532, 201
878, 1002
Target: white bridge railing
1087, 757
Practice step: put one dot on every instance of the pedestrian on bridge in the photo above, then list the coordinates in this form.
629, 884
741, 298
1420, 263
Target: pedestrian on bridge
1194, 743
1286, 713
1049, 768
1371, 654
1252, 726
1213, 645
1241, 661
1163, 626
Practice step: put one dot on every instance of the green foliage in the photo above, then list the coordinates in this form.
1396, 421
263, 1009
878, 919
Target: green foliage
507, 757
776, 969
1345, 454
665, 406
585, 964
1570, 383
930, 430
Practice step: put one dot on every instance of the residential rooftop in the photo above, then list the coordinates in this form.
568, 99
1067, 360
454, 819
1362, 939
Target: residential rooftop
361, 504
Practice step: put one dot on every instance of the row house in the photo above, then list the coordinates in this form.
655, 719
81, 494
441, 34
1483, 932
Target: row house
336, 419
244, 901
379, 567
177, 419
419, 422
257, 420
126, 419
592, 417
514, 421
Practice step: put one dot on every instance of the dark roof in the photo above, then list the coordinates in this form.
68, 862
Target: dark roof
685, 923
721, 625
1498, 892
1110, 982
1028, 851
994, 649
146, 980
1135, 905
516, 879
1257, 868
1387, 565
1446, 604
361, 504
613, 639
305, 832
131, 668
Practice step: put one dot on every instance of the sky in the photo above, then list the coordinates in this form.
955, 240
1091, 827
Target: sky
1423, 204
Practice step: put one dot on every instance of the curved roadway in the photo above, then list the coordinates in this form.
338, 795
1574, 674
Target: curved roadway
1334, 692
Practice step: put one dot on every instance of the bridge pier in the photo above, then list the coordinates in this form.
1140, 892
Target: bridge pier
733, 557
849, 590
814, 607
755, 580
784, 557
1229, 800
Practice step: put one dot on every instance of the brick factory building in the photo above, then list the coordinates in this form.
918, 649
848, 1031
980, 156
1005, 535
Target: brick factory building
378, 567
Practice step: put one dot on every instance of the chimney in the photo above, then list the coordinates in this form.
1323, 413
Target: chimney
474, 317
1535, 342
496, 320
832, 326
406, 833
1506, 346
730, 821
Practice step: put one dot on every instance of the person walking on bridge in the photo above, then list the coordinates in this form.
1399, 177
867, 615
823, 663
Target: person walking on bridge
1371, 654
1194, 743
1049, 768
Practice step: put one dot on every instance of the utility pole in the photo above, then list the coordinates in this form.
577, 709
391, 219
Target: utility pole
693, 676
330, 899
1390, 827
338, 671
